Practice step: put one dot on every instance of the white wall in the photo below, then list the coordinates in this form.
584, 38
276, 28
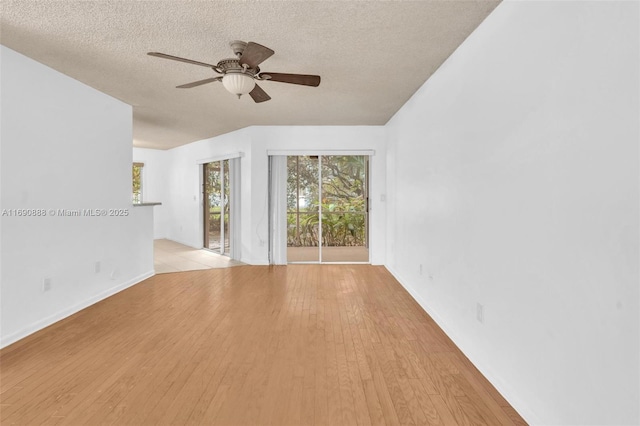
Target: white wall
513, 178
183, 196
154, 184
64, 146
183, 192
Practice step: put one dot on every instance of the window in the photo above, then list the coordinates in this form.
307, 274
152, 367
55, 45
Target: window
137, 182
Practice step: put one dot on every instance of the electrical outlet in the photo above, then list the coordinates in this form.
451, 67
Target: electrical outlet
480, 313
46, 284
97, 267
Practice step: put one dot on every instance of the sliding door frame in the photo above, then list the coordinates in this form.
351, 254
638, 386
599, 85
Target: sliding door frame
367, 154
234, 183
224, 203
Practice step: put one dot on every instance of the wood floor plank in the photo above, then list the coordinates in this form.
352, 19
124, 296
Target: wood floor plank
321, 415
427, 406
251, 345
345, 386
443, 410
373, 402
386, 403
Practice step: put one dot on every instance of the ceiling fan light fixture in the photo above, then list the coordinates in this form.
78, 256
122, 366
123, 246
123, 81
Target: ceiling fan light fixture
238, 83
239, 74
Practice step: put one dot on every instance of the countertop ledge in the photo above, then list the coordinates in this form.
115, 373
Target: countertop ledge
150, 203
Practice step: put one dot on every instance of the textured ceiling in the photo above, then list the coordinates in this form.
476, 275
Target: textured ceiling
372, 56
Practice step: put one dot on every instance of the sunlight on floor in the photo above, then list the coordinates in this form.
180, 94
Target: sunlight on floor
169, 256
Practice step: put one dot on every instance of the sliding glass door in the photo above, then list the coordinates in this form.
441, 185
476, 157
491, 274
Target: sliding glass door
303, 209
327, 211
216, 207
344, 210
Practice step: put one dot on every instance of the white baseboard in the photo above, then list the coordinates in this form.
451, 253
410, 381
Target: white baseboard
51, 319
503, 388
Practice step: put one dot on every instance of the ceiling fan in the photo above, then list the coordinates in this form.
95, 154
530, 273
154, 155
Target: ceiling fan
239, 74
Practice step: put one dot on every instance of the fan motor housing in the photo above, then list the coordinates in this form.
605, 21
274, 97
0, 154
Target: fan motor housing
232, 65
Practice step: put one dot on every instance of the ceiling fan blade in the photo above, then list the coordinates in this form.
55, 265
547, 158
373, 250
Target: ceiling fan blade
176, 58
259, 95
303, 79
254, 54
199, 83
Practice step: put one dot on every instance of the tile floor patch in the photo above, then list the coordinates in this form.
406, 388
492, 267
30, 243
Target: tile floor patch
169, 256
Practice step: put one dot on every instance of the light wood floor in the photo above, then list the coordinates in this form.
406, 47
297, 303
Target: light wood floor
252, 345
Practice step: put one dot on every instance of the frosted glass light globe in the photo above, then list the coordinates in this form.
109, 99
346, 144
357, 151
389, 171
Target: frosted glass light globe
238, 83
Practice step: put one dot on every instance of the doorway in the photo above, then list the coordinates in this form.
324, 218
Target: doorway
327, 209
217, 207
